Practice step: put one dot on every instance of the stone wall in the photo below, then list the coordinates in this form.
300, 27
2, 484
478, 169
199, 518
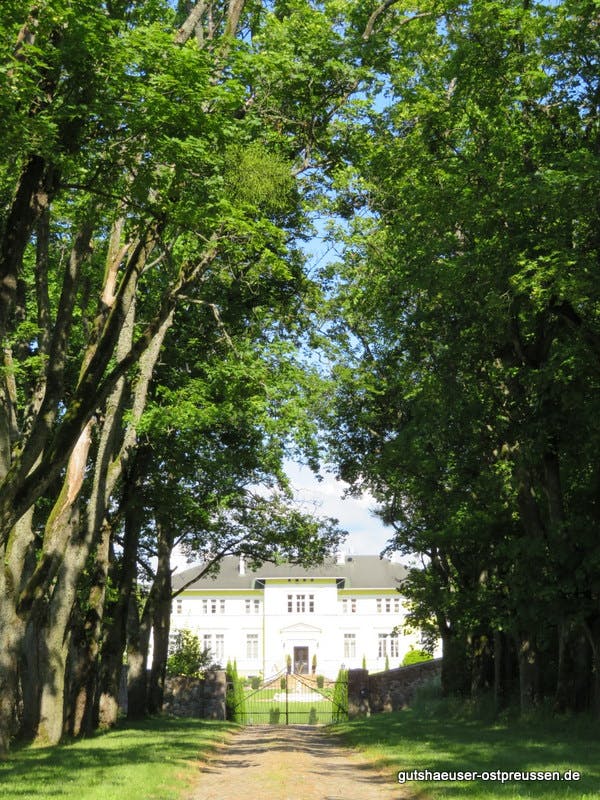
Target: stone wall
387, 691
195, 697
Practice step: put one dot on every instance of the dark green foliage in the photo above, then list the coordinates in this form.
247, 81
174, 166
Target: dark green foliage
467, 385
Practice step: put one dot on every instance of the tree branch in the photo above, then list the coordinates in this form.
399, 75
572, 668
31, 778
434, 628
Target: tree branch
368, 32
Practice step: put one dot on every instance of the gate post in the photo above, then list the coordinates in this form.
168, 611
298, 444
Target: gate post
215, 689
287, 685
358, 693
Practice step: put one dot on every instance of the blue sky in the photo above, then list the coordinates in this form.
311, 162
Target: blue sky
366, 534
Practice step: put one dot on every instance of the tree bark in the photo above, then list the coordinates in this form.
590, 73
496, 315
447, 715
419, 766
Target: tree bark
161, 619
528, 673
455, 666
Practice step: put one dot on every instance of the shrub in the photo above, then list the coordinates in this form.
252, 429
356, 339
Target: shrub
340, 696
235, 700
320, 681
187, 657
255, 681
415, 657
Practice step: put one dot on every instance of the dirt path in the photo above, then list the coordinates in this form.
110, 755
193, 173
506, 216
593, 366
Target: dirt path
292, 762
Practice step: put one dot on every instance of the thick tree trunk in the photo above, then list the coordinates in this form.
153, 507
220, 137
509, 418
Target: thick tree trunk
528, 673
11, 635
15, 562
455, 665
504, 670
482, 664
81, 716
161, 619
138, 642
56, 636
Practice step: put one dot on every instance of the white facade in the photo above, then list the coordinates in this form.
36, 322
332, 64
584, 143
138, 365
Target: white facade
333, 615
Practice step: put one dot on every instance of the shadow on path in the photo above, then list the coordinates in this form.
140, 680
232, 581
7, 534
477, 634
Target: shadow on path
288, 762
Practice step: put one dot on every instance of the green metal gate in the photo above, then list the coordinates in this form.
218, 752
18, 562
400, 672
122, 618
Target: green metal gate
289, 699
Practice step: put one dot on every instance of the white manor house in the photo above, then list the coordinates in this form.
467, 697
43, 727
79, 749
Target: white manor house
340, 613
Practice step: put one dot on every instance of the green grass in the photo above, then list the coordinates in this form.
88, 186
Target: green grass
153, 760
260, 707
442, 737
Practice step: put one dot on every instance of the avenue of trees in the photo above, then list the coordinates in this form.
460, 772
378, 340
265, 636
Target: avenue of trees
160, 162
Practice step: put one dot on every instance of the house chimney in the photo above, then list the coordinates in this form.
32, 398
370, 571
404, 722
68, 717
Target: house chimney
242, 565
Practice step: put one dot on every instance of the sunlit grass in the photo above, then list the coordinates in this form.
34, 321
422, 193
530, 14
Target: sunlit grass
438, 738
153, 760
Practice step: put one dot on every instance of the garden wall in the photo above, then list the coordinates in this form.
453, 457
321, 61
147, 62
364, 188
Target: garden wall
195, 697
390, 690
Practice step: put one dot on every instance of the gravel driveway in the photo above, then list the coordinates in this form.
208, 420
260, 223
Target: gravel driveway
291, 762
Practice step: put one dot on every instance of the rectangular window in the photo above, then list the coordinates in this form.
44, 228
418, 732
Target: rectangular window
396, 605
257, 606
353, 605
345, 605
388, 605
388, 645
300, 603
207, 641
349, 645
219, 646
179, 605
247, 606
252, 646
213, 606
379, 606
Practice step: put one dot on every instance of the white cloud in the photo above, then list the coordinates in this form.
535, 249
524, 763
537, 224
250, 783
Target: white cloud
366, 533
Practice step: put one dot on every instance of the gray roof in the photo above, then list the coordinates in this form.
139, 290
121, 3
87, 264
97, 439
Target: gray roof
357, 572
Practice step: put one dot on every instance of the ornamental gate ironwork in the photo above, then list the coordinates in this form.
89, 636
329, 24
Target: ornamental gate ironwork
292, 699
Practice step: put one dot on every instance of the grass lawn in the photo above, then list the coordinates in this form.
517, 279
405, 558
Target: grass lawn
432, 739
267, 706
152, 760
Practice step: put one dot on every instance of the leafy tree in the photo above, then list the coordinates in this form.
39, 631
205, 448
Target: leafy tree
186, 656
155, 157
467, 322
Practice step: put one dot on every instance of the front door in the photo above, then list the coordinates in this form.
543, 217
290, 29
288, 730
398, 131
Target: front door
301, 660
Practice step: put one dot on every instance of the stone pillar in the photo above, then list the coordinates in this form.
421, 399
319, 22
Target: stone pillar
358, 693
215, 688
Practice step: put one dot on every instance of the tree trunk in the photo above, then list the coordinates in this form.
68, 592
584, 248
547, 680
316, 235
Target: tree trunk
528, 673
161, 619
111, 666
56, 636
11, 635
15, 563
503, 670
83, 670
138, 642
482, 664
455, 666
